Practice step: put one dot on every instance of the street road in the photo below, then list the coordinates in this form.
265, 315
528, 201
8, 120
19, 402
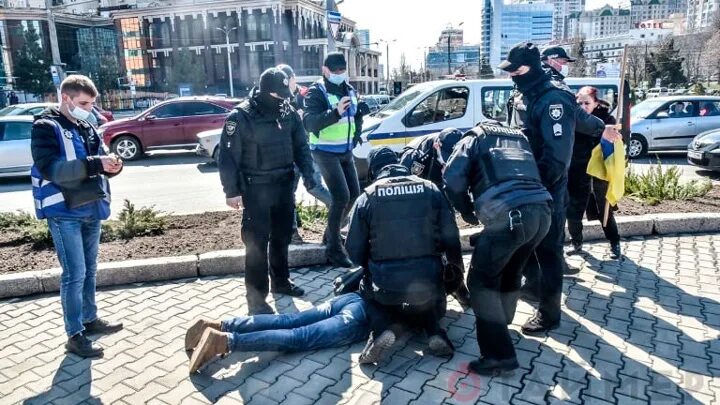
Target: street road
182, 183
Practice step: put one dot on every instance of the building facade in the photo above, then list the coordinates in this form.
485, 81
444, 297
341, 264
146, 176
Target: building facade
562, 10
610, 48
450, 55
260, 34
701, 13
643, 10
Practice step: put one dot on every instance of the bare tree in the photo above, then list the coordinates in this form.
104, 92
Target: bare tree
692, 50
636, 63
712, 52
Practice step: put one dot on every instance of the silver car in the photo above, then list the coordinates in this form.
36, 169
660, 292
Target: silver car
671, 123
15, 155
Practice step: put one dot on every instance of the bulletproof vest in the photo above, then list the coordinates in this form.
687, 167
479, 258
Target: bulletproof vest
402, 219
267, 145
504, 154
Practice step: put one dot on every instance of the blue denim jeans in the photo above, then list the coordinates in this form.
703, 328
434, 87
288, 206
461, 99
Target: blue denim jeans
76, 242
337, 322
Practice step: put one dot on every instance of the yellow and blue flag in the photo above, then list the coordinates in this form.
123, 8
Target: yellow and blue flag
607, 162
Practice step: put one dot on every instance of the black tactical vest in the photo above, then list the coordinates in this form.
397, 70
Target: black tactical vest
504, 154
403, 219
267, 144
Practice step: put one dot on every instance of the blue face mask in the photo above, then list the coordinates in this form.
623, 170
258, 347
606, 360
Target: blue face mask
338, 79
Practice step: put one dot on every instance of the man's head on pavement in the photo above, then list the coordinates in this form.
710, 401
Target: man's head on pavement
380, 158
556, 57
290, 73
77, 96
447, 139
335, 68
275, 82
523, 63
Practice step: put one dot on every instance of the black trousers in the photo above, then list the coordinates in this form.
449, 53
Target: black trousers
495, 274
545, 271
401, 317
588, 194
266, 231
338, 171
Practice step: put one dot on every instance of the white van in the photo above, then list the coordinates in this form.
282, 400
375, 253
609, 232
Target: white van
433, 106
657, 92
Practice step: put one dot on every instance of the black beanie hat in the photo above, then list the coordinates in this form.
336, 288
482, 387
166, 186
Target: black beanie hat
335, 61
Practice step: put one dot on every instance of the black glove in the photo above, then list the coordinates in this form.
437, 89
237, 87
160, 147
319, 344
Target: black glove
357, 140
470, 218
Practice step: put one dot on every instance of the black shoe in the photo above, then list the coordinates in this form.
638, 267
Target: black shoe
338, 257
296, 238
288, 289
528, 293
536, 325
462, 295
260, 308
576, 248
615, 251
376, 349
83, 347
570, 270
484, 366
101, 326
440, 346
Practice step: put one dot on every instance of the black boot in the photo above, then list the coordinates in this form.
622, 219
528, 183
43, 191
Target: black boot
375, 349
337, 256
258, 306
82, 346
615, 251
288, 289
577, 246
101, 326
484, 366
462, 295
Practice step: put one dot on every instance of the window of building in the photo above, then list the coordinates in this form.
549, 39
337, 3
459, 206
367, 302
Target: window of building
251, 28
265, 27
444, 105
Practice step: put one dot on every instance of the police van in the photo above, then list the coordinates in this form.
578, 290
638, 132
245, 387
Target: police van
433, 106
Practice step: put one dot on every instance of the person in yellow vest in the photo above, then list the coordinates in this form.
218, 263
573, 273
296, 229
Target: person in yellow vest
332, 118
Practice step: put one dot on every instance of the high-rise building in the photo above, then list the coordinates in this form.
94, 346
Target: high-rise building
701, 13
451, 55
643, 10
603, 22
504, 25
562, 10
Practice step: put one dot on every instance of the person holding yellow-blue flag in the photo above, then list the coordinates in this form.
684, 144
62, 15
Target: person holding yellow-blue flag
596, 177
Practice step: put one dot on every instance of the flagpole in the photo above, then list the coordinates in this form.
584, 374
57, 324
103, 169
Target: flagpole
619, 110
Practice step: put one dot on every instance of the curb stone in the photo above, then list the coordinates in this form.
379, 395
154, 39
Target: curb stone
228, 262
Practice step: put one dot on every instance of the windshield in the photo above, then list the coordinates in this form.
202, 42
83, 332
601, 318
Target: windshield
645, 108
404, 99
11, 110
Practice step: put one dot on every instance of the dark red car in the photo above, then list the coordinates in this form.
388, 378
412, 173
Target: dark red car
172, 124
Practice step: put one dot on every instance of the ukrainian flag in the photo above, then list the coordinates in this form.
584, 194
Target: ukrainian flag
607, 162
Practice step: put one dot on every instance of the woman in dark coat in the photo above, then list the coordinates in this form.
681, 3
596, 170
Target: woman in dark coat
587, 194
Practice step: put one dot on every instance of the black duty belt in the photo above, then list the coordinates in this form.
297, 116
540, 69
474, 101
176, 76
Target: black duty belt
269, 178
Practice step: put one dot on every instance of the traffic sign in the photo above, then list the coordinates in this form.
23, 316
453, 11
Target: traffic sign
333, 19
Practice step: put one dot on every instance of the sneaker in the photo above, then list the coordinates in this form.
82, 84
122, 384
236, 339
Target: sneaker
192, 337
260, 308
536, 325
440, 346
82, 346
101, 326
576, 247
288, 289
212, 343
485, 366
615, 251
376, 349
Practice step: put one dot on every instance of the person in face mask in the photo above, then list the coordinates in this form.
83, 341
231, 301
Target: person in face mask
262, 141
332, 118
550, 125
556, 60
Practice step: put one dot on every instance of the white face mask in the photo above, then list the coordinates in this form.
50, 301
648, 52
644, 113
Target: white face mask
338, 79
78, 113
565, 70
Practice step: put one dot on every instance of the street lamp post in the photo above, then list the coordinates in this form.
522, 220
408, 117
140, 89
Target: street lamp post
227, 32
387, 58
448, 48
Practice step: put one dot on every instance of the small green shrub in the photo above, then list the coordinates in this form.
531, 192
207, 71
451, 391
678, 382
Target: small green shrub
133, 222
312, 217
660, 184
27, 228
15, 220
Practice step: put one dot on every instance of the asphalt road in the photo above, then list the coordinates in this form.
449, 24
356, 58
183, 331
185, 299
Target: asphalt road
182, 183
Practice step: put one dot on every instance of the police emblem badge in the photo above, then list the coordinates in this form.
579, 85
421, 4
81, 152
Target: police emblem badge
67, 134
556, 111
230, 127
417, 168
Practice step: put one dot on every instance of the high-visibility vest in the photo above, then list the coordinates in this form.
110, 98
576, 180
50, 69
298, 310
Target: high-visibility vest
337, 137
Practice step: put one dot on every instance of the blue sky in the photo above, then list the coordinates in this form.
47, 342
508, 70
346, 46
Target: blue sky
417, 24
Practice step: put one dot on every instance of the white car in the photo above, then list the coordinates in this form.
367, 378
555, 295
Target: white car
208, 143
15, 154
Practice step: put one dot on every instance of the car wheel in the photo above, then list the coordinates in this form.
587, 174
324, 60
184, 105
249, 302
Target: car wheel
127, 147
637, 147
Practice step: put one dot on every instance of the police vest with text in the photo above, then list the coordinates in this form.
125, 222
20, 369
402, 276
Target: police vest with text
337, 137
52, 200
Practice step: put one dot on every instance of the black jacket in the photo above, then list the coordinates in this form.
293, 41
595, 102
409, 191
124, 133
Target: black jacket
420, 157
318, 114
584, 144
46, 151
244, 119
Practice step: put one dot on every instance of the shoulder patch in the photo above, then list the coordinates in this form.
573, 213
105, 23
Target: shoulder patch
556, 111
417, 168
67, 134
230, 127
557, 130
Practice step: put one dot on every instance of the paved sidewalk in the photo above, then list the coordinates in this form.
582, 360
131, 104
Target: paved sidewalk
644, 331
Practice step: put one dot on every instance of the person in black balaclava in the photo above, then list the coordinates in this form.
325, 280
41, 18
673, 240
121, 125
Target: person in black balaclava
550, 128
262, 140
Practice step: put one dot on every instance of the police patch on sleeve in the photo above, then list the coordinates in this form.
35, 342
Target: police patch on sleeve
417, 168
557, 130
230, 127
67, 134
556, 111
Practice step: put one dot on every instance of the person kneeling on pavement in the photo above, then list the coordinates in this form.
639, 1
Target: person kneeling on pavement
496, 165
399, 228
338, 322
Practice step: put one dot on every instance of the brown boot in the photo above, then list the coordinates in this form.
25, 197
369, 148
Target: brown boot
192, 337
212, 343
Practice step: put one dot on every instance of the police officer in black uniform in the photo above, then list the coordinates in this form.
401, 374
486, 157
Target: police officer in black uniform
550, 127
555, 61
399, 228
263, 138
496, 166
426, 157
